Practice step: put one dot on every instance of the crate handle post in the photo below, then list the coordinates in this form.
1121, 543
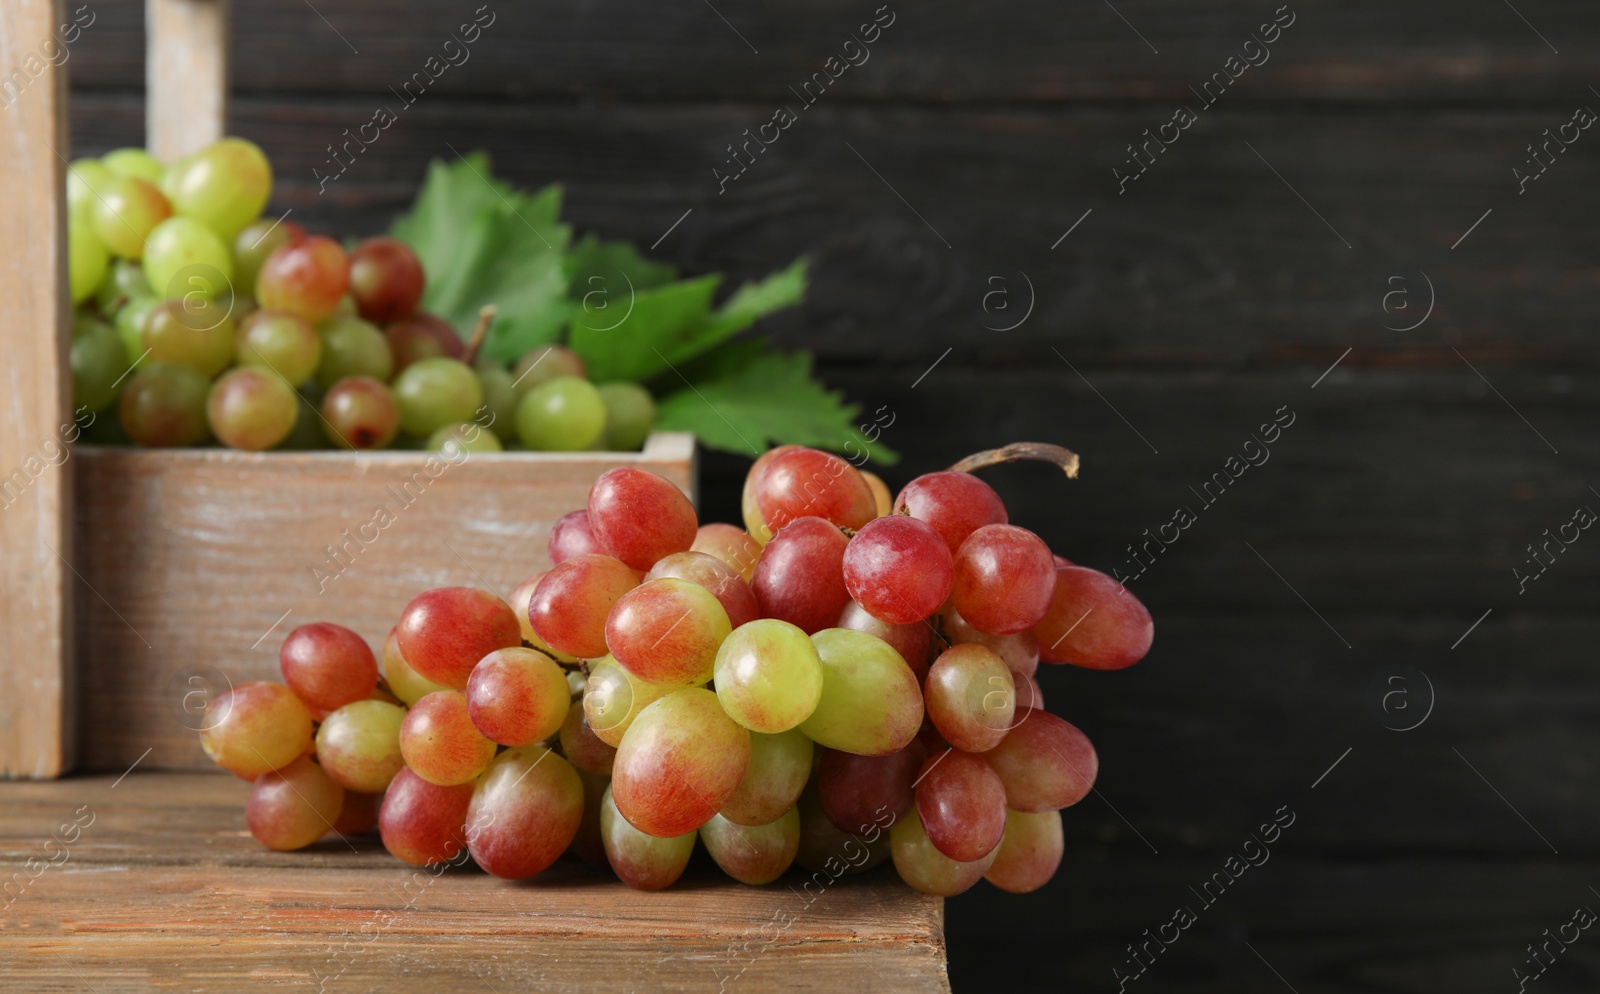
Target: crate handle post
186, 75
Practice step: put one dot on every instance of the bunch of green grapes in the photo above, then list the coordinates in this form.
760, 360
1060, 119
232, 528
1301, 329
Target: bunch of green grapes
200, 319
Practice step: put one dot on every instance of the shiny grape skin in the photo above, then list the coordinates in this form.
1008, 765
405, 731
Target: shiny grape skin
565, 414
613, 698
256, 727
755, 525
913, 642
1029, 853
423, 823
961, 802
256, 243
1004, 577
871, 704
898, 569
328, 665
1044, 762
385, 279
307, 277
440, 743
731, 544
445, 631
857, 792
643, 862
667, 631
1094, 622
517, 696
251, 409
955, 504
571, 536
768, 676
292, 807
971, 697
800, 576
724, 582
173, 333
583, 748
925, 868
435, 392
407, 684
779, 767
525, 811
1020, 651
679, 763
753, 854
358, 745
359, 413
639, 517
811, 483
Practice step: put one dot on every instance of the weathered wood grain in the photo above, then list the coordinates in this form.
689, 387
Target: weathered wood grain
199, 562
36, 423
186, 75
148, 900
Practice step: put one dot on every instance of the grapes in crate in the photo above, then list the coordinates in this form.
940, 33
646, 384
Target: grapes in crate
850, 681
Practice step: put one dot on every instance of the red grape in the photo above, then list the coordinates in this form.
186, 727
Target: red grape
439, 741
753, 854
858, 792
306, 277
898, 569
955, 504
912, 641
1029, 853
293, 807
962, 804
571, 536
731, 544
517, 696
1093, 621
800, 576
421, 336
679, 762
1019, 651
667, 631
779, 767
359, 814
525, 811
811, 483
824, 848
643, 862
358, 745
1004, 577
755, 526
640, 517
328, 665
583, 748
1045, 763
922, 866
359, 412
971, 697
421, 822
255, 728
722, 580
445, 631
385, 279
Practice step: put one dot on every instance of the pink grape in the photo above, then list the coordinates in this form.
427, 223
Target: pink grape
1004, 577
722, 580
521, 597
871, 704
858, 792
922, 866
643, 862
571, 536
640, 517
667, 631
293, 807
971, 697
731, 544
359, 412
1093, 622
1029, 853
755, 525
423, 823
1044, 762
800, 577
439, 741
898, 569
569, 607
1019, 651
962, 805
445, 631
421, 336
385, 279
679, 762
586, 750
517, 696
955, 504
255, 728
407, 684
753, 854
779, 767
328, 665
811, 483
358, 745
912, 642
306, 277
525, 811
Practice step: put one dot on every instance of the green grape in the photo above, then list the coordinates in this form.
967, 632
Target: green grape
613, 698
251, 408
124, 213
436, 392
164, 404
182, 257
224, 185
352, 347
753, 854
407, 684
630, 414
84, 177
565, 414
499, 400
358, 745
124, 282
279, 341
768, 676
174, 175
927, 869
134, 162
86, 260
255, 243
131, 321
779, 767
203, 340
98, 364
871, 704
465, 436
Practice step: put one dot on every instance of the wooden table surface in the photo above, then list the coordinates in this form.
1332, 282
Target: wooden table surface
153, 883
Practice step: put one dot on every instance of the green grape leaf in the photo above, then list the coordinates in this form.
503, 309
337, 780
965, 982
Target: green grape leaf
591, 258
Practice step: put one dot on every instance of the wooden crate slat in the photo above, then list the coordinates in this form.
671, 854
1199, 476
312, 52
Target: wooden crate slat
186, 75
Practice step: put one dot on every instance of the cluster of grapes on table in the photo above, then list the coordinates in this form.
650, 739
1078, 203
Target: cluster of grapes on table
848, 679
198, 318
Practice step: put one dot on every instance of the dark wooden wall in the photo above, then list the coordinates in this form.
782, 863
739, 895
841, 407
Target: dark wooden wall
1175, 318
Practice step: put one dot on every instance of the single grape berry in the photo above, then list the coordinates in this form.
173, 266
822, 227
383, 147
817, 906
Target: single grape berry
898, 568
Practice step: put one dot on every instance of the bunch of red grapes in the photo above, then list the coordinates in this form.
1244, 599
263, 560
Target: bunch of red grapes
850, 679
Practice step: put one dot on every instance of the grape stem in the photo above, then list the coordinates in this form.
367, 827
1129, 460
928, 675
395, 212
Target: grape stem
480, 332
1019, 452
